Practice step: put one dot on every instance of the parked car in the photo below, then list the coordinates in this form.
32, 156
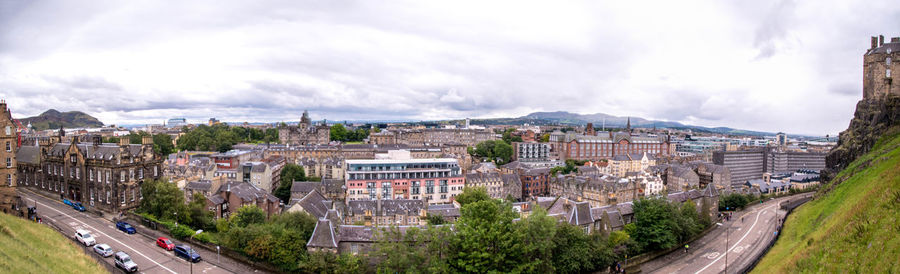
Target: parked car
125, 227
84, 237
78, 206
187, 253
103, 249
124, 261
67, 202
165, 243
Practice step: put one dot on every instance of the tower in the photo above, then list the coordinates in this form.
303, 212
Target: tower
628, 124
9, 200
304, 120
589, 129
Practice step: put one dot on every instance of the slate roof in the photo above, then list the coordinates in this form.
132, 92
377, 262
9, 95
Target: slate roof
303, 187
29, 154
581, 214
314, 204
446, 210
615, 219
246, 191
625, 208
216, 199
323, 235
203, 185
401, 207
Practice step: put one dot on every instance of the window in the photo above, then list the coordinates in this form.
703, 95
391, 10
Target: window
90, 175
122, 176
155, 171
8, 162
429, 186
107, 176
443, 186
9, 179
8, 130
123, 197
8, 146
132, 195
107, 197
141, 173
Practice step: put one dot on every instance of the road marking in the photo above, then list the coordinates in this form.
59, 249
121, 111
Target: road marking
104, 234
739, 241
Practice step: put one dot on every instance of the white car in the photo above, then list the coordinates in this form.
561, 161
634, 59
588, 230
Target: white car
84, 237
124, 261
103, 249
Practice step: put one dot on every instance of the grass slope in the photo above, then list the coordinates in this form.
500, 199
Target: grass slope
851, 229
27, 247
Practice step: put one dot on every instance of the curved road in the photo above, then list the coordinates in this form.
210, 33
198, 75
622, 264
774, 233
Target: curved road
746, 240
144, 252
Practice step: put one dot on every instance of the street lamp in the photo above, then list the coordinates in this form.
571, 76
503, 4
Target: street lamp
176, 219
726, 245
191, 250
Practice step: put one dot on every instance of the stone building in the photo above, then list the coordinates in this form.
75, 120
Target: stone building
305, 133
102, 176
498, 186
9, 200
879, 65
606, 145
232, 195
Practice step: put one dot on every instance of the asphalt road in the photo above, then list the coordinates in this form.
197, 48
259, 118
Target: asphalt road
143, 251
746, 240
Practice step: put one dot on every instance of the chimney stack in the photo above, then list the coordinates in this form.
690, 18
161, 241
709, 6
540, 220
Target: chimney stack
880, 40
874, 42
124, 140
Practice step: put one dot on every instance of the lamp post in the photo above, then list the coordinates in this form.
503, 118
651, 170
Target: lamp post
191, 250
176, 219
726, 245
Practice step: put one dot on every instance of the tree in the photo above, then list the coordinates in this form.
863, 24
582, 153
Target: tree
339, 133
164, 200
289, 174
536, 242
472, 194
162, 144
485, 239
247, 215
435, 219
545, 138
655, 227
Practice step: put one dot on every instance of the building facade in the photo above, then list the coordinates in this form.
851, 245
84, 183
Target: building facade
530, 152
102, 176
436, 181
879, 67
9, 139
606, 145
305, 133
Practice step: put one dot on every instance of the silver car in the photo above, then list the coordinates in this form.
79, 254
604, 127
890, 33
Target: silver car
103, 249
124, 261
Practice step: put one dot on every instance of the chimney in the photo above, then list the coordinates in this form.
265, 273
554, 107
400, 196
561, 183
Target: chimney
874, 42
124, 140
880, 40
97, 140
147, 140
895, 39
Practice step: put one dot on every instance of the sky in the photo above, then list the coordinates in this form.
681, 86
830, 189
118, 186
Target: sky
768, 65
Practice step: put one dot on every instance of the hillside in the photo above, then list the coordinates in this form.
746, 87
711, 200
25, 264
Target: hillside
851, 226
29, 247
53, 119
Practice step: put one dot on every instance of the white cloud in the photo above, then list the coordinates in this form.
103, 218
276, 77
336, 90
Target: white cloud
764, 65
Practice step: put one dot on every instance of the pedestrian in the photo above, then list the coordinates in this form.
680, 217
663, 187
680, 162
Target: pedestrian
686, 247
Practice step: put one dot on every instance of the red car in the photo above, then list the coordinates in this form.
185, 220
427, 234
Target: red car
165, 243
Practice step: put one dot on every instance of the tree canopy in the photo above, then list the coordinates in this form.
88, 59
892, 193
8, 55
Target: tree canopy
221, 137
341, 133
289, 174
497, 151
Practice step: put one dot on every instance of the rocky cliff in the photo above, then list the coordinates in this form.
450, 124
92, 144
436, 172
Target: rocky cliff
873, 118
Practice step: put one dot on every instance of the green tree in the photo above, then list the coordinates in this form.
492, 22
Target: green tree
339, 132
247, 215
655, 228
164, 200
545, 138
536, 242
289, 174
435, 219
162, 144
472, 194
485, 239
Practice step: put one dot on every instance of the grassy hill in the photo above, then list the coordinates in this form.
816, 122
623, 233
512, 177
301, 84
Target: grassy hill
27, 247
852, 226
53, 119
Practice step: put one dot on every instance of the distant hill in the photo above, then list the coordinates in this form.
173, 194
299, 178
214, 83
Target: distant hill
53, 119
30, 247
610, 121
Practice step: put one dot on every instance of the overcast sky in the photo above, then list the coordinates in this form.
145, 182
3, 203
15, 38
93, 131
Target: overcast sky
760, 65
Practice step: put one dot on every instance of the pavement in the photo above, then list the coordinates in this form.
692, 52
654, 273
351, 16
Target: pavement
746, 241
142, 248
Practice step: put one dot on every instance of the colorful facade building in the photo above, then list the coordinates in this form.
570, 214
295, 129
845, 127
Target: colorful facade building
436, 181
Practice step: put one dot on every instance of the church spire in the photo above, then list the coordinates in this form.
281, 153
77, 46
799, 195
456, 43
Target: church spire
628, 124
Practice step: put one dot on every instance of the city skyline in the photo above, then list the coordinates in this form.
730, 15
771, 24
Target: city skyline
754, 66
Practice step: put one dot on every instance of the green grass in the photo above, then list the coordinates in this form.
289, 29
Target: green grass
28, 247
851, 229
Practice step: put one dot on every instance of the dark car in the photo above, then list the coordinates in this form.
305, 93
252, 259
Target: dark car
187, 253
78, 206
67, 202
125, 227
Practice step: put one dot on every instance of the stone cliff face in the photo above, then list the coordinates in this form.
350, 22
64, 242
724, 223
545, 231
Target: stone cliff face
873, 118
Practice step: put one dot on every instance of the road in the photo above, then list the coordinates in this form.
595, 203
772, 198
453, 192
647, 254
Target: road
143, 251
747, 239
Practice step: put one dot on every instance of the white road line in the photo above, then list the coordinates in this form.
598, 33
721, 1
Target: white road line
739, 241
104, 234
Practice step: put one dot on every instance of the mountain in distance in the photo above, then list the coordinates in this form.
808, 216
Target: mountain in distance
53, 119
610, 121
